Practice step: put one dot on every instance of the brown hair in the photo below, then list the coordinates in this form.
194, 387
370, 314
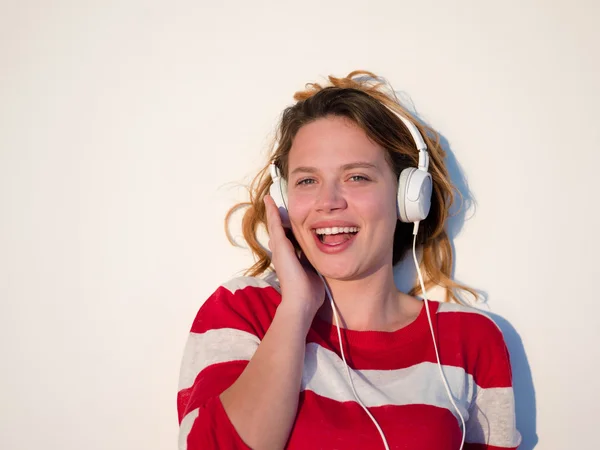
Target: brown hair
361, 97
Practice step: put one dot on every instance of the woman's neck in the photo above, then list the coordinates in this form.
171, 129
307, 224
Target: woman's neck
370, 303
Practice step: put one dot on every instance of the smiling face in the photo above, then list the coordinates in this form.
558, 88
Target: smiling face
341, 199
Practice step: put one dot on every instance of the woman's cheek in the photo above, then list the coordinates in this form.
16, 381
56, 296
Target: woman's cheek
298, 208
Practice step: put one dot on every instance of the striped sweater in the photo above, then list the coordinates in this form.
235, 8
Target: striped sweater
395, 375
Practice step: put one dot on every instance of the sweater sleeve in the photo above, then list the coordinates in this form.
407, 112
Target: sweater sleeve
492, 424
224, 336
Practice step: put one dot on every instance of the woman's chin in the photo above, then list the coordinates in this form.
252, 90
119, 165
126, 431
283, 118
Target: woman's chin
342, 267
339, 273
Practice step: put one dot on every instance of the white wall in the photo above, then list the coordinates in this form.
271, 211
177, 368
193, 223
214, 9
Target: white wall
126, 125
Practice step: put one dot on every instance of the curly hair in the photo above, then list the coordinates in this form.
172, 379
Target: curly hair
366, 100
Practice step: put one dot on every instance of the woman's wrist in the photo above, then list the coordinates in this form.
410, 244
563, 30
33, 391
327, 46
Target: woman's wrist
297, 313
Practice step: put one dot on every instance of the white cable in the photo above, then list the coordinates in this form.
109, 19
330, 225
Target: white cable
337, 324
437, 355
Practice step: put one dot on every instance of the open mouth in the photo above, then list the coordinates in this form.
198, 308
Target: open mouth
335, 235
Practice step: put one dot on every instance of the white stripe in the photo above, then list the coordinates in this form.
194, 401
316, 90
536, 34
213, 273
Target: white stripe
493, 419
186, 427
212, 347
270, 280
325, 375
457, 307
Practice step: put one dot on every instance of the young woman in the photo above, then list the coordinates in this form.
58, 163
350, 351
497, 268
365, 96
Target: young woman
325, 352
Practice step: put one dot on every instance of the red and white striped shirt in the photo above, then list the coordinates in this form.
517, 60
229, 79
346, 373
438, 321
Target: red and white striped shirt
395, 375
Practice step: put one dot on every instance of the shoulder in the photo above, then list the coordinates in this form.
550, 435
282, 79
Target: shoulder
468, 320
253, 285
248, 293
480, 340
245, 303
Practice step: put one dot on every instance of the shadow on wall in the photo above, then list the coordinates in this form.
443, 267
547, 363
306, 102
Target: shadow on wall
405, 275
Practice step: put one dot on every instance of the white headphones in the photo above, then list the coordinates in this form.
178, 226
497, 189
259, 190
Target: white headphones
414, 184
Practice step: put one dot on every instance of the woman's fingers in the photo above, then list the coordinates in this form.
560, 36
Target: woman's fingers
279, 244
299, 281
274, 226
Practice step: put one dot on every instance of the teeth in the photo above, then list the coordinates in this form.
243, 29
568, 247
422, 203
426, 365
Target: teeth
336, 230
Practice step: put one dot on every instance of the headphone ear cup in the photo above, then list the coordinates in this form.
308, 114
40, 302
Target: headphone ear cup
414, 195
278, 191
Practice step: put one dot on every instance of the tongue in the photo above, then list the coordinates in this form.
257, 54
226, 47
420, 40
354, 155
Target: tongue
336, 239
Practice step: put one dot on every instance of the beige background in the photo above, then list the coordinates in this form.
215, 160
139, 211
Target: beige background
126, 127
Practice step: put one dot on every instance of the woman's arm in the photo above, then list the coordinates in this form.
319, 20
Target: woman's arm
243, 391
262, 403
239, 386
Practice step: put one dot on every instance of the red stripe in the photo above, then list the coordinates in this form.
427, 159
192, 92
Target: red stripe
323, 423
473, 341
213, 430
250, 309
209, 383
468, 340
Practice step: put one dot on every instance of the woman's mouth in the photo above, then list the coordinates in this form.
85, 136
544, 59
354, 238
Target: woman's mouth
334, 236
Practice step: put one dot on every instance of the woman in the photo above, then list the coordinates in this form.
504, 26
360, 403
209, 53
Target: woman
265, 364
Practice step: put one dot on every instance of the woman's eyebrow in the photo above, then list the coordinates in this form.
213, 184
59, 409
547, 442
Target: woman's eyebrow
359, 165
349, 166
304, 169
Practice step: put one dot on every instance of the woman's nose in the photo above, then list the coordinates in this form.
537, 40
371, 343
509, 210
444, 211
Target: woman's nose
330, 198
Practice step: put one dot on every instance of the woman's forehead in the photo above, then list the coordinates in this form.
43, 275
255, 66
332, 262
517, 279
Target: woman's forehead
333, 142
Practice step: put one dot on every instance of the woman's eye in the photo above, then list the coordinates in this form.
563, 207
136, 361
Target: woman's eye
305, 181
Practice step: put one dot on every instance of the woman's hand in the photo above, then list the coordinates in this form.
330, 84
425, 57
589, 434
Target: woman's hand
301, 287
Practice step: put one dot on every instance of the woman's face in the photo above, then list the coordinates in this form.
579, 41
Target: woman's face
341, 199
